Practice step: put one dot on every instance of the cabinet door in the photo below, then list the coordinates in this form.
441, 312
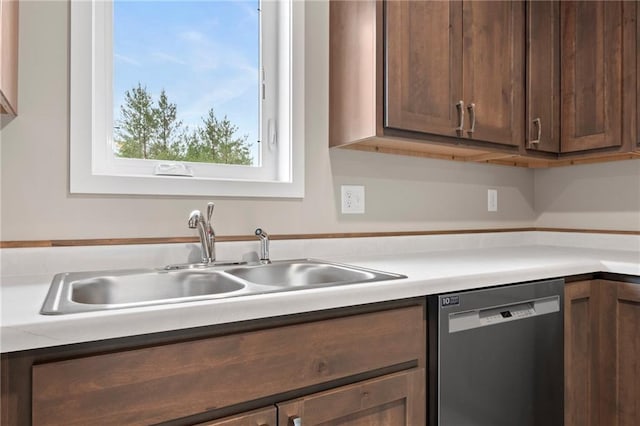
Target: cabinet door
262, 417
592, 71
602, 342
393, 400
543, 76
620, 349
580, 352
424, 66
493, 64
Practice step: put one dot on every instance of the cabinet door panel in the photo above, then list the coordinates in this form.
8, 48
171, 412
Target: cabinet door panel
263, 417
424, 65
543, 77
580, 331
493, 79
591, 75
393, 400
620, 370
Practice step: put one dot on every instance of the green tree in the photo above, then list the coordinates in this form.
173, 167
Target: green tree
137, 124
217, 143
154, 132
166, 144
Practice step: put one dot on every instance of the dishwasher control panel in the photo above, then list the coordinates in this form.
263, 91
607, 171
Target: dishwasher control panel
459, 321
493, 316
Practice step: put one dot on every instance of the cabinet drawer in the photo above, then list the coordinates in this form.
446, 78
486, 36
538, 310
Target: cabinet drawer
160, 383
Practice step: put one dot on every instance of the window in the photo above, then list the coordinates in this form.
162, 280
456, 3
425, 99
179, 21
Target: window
133, 132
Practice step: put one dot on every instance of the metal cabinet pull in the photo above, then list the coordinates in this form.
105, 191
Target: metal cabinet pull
472, 114
295, 421
460, 107
534, 143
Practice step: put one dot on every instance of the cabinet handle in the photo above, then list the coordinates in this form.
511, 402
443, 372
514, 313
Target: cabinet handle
534, 143
460, 107
295, 421
472, 114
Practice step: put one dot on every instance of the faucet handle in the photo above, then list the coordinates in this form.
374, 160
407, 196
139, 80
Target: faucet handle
194, 218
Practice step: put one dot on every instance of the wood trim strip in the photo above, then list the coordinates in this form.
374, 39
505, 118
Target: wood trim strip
231, 238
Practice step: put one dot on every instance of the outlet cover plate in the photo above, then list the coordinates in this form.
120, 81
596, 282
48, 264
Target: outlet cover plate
492, 200
352, 197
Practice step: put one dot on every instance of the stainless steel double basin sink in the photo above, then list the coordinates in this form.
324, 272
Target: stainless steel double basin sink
105, 290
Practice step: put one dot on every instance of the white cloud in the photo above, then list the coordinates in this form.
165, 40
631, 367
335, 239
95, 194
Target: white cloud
127, 60
166, 57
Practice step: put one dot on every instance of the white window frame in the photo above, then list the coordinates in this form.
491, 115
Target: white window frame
93, 169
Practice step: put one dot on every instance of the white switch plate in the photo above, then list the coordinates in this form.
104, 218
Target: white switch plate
492, 200
352, 197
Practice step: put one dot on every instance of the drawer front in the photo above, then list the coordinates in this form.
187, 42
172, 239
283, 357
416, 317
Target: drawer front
166, 382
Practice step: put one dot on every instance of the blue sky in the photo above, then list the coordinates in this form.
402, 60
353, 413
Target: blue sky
203, 53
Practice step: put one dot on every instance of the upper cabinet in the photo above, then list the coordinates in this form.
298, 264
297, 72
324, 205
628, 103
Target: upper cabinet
8, 56
592, 74
543, 76
456, 69
530, 83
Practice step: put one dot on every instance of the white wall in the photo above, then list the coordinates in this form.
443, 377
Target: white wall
403, 193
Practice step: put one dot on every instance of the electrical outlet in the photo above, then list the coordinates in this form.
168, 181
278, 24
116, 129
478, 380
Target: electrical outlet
352, 199
492, 200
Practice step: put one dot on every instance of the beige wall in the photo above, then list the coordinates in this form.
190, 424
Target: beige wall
402, 193
594, 196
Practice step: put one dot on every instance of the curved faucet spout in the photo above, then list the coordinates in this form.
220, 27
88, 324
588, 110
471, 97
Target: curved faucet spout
205, 232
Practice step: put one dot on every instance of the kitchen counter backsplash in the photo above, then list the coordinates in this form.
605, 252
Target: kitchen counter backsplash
27, 265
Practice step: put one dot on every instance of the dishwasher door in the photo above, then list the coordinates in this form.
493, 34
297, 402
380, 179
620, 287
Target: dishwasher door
496, 356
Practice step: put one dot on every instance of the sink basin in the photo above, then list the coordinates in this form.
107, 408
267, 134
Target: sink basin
90, 291
103, 290
304, 273
151, 286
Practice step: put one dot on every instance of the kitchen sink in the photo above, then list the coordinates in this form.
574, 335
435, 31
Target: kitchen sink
305, 273
151, 286
75, 292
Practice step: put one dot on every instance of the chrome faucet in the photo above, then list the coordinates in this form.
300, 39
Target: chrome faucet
264, 245
206, 233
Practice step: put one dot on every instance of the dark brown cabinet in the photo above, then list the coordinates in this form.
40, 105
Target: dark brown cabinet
592, 74
447, 80
375, 355
456, 69
263, 417
393, 400
602, 342
543, 76
437, 79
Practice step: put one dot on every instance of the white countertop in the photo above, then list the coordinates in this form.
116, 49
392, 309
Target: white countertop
429, 272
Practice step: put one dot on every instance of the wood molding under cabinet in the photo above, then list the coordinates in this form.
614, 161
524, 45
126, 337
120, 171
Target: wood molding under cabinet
230, 238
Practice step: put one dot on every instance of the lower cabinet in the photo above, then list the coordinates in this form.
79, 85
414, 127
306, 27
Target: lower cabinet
391, 400
364, 366
264, 417
602, 347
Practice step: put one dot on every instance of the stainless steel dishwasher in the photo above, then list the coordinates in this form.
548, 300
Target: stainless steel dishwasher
496, 356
